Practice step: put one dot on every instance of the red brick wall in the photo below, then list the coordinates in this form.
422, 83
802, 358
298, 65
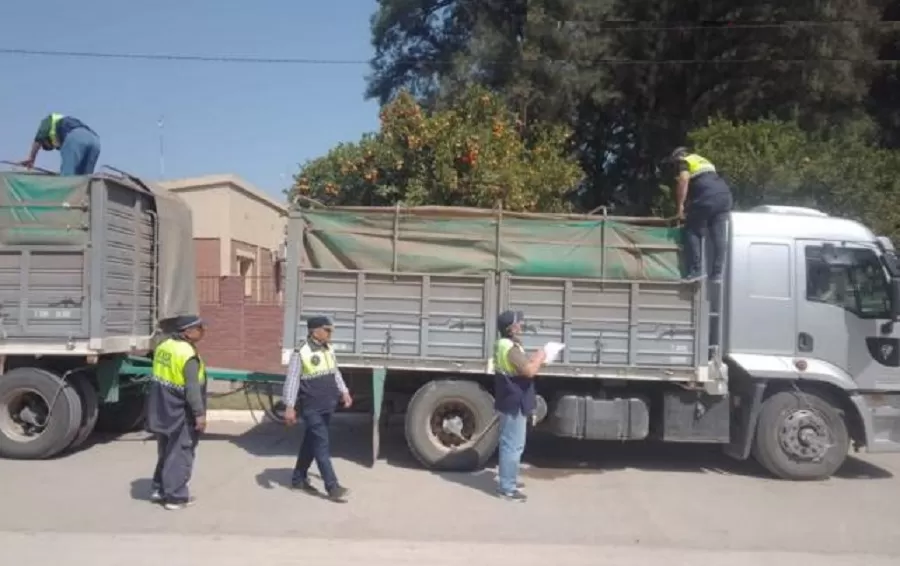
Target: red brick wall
242, 333
207, 258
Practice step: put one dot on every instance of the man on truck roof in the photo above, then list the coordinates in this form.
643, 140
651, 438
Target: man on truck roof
78, 144
703, 199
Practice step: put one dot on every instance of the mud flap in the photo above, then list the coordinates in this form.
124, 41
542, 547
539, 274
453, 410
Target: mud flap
378, 379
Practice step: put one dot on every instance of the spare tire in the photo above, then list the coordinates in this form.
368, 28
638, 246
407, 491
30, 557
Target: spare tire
440, 413
30, 428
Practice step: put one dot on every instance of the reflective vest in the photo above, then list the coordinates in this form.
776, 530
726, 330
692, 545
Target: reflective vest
698, 165
54, 122
318, 389
512, 393
169, 359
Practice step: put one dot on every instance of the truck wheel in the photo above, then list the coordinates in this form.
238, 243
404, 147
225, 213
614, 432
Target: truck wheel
126, 415
444, 425
29, 429
90, 409
800, 436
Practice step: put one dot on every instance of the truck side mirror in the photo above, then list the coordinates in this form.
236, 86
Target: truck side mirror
895, 298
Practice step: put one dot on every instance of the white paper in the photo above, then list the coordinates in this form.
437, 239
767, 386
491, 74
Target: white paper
552, 350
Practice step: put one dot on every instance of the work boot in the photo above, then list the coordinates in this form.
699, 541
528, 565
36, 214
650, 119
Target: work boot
179, 505
338, 494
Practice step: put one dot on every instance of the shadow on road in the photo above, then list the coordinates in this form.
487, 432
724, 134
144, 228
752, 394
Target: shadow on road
546, 457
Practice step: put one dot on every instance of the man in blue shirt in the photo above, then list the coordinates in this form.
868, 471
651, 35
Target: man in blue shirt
78, 145
514, 399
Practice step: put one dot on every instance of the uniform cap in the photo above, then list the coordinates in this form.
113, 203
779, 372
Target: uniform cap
184, 322
317, 322
508, 318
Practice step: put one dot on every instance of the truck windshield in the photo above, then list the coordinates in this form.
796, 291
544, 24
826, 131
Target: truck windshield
858, 283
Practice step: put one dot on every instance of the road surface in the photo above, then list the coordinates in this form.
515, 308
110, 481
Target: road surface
590, 504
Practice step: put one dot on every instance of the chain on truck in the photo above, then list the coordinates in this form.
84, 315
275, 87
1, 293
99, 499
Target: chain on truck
792, 359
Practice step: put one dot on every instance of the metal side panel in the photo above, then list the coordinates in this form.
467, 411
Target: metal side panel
43, 293
624, 324
127, 280
382, 316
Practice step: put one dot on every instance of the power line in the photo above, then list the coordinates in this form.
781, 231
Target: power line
428, 64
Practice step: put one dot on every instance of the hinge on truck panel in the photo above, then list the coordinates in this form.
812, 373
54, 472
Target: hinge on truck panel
598, 350
388, 342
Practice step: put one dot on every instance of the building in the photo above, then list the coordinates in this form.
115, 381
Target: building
238, 230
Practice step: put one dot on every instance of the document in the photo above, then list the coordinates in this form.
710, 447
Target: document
552, 350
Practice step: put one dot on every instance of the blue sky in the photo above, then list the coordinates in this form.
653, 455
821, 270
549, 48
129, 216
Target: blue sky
258, 121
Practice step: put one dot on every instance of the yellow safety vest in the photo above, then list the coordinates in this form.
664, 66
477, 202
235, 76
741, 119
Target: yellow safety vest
698, 165
54, 121
501, 356
316, 363
169, 359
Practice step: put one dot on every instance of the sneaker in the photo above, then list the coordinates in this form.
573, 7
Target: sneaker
179, 505
513, 496
338, 494
305, 487
156, 496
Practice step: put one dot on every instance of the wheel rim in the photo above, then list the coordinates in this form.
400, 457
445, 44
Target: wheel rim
22, 414
805, 436
452, 424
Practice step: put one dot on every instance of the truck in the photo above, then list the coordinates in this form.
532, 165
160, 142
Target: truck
792, 359
89, 266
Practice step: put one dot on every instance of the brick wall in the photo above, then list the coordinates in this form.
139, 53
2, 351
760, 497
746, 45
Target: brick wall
207, 258
242, 332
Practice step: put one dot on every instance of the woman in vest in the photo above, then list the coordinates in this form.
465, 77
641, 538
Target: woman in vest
514, 399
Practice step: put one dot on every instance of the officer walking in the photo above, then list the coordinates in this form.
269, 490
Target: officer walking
78, 144
315, 383
176, 411
708, 200
514, 399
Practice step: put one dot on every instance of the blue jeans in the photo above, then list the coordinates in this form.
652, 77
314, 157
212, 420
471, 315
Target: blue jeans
79, 152
513, 429
314, 446
708, 217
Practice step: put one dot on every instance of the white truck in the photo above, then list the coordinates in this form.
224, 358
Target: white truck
793, 360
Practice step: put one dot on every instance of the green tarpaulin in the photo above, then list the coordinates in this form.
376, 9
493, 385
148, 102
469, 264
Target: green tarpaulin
443, 240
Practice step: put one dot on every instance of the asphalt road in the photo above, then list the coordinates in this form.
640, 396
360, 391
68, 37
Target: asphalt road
589, 504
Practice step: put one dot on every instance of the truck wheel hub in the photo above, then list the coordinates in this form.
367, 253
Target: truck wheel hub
22, 413
804, 435
452, 424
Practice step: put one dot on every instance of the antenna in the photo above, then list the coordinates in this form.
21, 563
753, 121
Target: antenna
162, 148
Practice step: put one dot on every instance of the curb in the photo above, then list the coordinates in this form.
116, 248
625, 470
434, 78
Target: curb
237, 416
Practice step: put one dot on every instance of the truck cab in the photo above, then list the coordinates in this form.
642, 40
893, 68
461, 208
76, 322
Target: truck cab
810, 307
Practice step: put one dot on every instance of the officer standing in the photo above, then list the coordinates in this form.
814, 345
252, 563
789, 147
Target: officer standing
314, 381
78, 144
176, 411
514, 399
708, 200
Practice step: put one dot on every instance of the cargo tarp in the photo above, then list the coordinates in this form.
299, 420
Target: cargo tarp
49, 210
445, 240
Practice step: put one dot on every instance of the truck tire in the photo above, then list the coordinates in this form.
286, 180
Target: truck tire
801, 436
125, 415
25, 398
438, 405
90, 409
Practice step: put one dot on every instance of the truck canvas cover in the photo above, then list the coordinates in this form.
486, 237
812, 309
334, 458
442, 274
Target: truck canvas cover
462, 241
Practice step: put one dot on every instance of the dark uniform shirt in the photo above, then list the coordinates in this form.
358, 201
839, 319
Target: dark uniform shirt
65, 125
514, 393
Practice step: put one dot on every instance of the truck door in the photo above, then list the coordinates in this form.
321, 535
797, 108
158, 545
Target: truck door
844, 314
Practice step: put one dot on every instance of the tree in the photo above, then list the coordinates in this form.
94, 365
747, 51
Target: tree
472, 154
777, 162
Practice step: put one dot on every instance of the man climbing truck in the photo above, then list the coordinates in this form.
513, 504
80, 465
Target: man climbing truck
808, 362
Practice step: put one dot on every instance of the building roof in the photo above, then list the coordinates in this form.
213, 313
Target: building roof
214, 181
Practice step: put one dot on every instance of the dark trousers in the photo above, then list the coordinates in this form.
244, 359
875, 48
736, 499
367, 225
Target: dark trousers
176, 453
706, 217
314, 446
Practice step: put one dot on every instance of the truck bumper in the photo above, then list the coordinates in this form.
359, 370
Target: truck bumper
881, 420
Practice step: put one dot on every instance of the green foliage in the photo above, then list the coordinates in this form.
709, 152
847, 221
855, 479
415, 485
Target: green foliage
777, 162
471, 154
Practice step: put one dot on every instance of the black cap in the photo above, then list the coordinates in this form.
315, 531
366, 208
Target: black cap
314, 322
182, 323
508, 318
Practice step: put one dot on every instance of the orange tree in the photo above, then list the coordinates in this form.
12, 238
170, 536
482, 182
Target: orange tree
470, 154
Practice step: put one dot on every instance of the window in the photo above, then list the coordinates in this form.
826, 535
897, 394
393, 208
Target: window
850, 278
245, 267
